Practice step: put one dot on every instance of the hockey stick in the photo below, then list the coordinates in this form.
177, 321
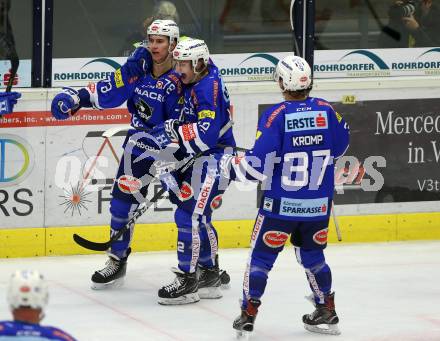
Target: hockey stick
292, 26
335, 220
392, 33
96, 246
9, 46
14, 68
145, 206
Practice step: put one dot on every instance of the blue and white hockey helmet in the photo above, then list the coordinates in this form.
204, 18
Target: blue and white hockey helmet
294, 73
27, 288
191, 49
164, 28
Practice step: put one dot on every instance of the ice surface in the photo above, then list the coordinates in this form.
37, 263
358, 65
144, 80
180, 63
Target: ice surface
384, 291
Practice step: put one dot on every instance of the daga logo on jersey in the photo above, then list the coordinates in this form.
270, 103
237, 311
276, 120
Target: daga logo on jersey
309, 120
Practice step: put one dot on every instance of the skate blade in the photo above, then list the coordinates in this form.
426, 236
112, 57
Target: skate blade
117, 283
242, 335
225, 286
210, 293
330, 329
311, 299
185, 299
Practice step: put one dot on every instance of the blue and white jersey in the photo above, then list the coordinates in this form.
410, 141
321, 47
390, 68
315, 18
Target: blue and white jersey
205, 112
150, 100
294, 152
22, 331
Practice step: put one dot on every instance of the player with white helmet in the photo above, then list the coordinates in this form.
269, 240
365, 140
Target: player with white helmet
191, 54
27, 296
152, 90
293, 74
297, 141
204, 124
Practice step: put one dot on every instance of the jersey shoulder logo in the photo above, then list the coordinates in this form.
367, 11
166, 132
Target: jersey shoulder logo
338, 117
324, 103
206, 114
118, 79
274, 115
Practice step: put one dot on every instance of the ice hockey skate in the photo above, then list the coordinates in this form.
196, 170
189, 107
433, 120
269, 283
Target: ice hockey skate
324, 319
225, 279
112, 276
183, 290
209, 282
244, 324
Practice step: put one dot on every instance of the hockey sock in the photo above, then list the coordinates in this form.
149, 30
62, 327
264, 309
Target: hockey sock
317, 271
188, 240
121, 212
209, 244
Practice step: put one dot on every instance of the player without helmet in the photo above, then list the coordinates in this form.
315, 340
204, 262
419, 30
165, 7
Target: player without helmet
293, 73
192, 56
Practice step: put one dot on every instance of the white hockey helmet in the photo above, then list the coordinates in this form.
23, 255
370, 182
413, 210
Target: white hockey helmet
27, 288
193, 50
294, 72
164, 28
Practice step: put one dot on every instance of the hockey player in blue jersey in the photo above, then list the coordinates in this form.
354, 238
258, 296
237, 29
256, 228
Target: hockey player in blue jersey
297, 142
203, 125
152, 91
27, 297
7, 101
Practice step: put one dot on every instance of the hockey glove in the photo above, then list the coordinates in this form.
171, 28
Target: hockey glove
68, 102
138, 64
166, 133
225, 166
7, 101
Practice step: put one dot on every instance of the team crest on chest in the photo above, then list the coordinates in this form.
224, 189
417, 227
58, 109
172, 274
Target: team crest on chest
143, 109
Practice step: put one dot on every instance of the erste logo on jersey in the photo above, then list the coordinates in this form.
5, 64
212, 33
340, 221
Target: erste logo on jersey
309, 120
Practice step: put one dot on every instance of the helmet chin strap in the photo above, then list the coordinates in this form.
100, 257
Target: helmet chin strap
198, 74
164, 61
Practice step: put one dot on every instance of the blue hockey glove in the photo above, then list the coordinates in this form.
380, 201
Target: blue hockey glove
7, 101
68, 102
166, 133
139, 63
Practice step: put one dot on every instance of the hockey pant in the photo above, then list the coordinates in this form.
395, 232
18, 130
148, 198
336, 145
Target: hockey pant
267, 241
129, 190
196, 193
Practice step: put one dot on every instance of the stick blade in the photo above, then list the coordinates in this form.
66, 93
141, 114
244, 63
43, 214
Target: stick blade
87, 244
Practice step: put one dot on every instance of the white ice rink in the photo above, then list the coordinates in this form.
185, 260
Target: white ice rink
388, 291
